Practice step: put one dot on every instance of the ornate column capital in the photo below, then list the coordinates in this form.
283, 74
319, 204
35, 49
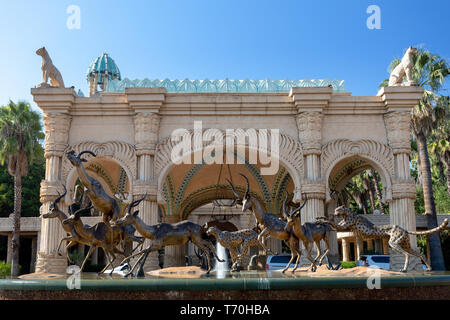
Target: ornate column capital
398, 125
402, 189
50, 190
56, 128
146, 132
309, 125
141, 188
314, 189
309, 103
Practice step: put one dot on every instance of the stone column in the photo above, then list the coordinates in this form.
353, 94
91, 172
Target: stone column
345, 250
9, 249
358, 248
56, 104
33, 254
369, 244
145, 102
385, 246
310, 103
399, 102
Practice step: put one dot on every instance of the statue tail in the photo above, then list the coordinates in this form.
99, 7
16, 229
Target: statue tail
437, 229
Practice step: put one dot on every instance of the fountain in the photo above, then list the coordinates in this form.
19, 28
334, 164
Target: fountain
221, 268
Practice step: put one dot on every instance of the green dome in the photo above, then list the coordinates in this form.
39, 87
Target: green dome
103, 66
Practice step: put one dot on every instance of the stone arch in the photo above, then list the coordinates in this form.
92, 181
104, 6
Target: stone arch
376, 154
207, 194
121, 153
290, 155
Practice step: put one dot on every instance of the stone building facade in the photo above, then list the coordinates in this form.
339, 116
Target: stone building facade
326, 136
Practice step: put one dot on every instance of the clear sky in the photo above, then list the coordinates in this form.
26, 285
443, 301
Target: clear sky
216, 39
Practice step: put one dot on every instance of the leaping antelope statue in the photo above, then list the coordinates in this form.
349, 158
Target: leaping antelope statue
270, 224
165, 234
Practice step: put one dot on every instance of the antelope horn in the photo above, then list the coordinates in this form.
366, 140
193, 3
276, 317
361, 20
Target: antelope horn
247, 191
299, 208
285, 211
135, 203
60, 197
82, 210
86, 151
234, 191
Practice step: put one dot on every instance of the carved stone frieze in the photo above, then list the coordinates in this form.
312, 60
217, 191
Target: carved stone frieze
309, 125
146, 132
398, 131
56, 127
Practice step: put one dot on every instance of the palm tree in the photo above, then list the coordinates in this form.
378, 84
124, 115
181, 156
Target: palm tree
440, 139
20, 135
375, 182
430, 72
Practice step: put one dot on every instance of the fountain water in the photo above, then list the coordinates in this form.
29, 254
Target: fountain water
221, 268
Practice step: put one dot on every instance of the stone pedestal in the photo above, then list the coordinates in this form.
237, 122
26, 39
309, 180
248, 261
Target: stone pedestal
399, 102
51, 263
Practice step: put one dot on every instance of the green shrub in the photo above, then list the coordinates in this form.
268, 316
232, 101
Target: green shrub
348, 264
5, 269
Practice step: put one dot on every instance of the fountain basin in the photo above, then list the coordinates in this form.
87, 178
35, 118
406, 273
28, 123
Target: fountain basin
238, 285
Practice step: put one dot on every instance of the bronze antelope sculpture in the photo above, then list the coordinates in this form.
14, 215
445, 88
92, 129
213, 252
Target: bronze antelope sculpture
232, 240
72, 237
165, 234
309, 233
100, 235
94, 190
270, 224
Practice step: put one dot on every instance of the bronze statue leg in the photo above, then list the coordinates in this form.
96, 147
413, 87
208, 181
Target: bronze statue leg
398, 249
308, 247
110, 262
141, 260
69, 245
293, 254
296, 246
91, 250
207, 244
202, 246
261, 238
327, 244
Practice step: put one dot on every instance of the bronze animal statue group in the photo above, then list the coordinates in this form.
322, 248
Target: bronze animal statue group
119, 224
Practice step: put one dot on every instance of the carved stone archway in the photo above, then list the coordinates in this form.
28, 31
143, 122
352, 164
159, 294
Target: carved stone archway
122, 153
376, 154
290, 156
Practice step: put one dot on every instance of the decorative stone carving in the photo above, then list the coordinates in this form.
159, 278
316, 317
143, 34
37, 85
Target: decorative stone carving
50, 190
404, 189
309, 126
404, 68
379, 153
146, 132
314, 189
121, 152
49, 71
56, 127
398, 131
290, 154
141, 188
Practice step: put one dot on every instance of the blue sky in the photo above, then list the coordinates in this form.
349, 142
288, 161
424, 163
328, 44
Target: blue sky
216, 40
